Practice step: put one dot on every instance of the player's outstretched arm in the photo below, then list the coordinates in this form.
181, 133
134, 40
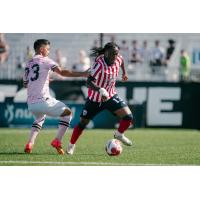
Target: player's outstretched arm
124, 74
69, 73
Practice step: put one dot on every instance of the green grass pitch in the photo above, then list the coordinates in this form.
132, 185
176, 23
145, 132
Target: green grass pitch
151, 147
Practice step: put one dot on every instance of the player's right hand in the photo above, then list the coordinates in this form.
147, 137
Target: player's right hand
124, 77
104, 94
104, 98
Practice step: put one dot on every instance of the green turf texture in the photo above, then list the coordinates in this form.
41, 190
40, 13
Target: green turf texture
151, 147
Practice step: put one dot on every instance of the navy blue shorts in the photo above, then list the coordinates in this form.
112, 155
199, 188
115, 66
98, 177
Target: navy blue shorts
91, 109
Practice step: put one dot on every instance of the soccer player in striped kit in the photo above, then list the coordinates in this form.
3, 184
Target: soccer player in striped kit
102, 94
40, 102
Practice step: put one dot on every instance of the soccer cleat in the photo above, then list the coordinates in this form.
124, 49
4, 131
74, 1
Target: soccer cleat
58, 146
123, 139
70, 149
28, 147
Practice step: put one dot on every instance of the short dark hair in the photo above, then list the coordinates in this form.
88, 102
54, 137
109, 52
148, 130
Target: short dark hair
38, 43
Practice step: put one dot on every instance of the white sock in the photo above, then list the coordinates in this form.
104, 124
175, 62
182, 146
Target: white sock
118, 133
33, 134
36, 127
63, 126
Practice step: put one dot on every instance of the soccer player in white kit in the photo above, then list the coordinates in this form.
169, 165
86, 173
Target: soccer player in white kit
39, 100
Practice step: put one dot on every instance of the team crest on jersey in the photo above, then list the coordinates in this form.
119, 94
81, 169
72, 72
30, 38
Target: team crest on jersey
84, 112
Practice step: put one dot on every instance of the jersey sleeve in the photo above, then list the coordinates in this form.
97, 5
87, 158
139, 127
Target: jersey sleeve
95, 69
51, 64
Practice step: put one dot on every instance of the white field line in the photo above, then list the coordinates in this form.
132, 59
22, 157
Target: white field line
82, 163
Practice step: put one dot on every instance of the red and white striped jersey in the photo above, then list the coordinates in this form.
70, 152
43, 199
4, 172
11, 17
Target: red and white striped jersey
105, 77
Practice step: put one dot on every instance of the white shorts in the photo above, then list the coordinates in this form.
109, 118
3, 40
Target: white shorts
50, 107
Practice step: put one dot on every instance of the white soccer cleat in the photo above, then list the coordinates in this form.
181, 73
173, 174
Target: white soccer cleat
70, 149
123, 139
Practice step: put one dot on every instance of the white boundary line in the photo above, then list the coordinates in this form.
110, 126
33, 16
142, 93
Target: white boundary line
63, 163
87, 163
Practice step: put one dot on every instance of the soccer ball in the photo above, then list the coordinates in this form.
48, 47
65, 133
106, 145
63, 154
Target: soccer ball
113, 147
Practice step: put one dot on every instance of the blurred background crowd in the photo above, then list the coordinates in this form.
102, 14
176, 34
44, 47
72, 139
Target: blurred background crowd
148, 57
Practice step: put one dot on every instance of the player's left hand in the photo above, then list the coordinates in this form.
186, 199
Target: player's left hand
86, 73
124, 77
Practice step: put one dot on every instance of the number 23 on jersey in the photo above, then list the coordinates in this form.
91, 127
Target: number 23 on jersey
36, 69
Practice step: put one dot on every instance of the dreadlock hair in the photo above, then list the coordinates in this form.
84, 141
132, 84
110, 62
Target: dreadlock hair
97, 51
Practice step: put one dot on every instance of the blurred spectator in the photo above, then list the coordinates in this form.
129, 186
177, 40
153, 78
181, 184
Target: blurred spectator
112, 38
124, 51
22, 59
83, 64
157, 55
60, 59
169, 51
135, 56
62, 62
28, 55
144, 53
185, 66
95, 44
4, 49
19, 63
